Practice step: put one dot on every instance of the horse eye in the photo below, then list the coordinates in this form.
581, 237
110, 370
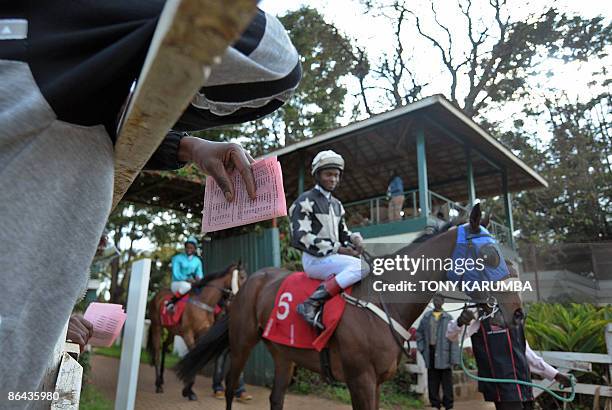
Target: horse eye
490, 256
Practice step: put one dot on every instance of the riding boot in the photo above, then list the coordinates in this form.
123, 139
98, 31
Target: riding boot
175, 298
311, 308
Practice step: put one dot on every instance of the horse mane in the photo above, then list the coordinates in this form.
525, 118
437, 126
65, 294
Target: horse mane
209, 277
432, 231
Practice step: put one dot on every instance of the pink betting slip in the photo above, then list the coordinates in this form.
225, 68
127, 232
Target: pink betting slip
270, 202
107, 320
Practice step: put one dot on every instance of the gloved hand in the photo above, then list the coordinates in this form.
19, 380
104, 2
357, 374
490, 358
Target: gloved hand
219, 159
466, 317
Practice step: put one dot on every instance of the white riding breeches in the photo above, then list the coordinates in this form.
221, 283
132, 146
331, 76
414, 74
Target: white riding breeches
347, 269
181, 287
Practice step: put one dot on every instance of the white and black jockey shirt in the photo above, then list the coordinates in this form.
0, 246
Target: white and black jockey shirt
317, 223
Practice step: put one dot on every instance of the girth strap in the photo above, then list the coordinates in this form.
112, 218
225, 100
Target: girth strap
202, 305
401, 330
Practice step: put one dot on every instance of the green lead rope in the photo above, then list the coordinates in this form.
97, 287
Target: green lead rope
513, 381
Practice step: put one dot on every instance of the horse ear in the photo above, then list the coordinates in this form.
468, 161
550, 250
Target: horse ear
475, 216
239, 264
486, 220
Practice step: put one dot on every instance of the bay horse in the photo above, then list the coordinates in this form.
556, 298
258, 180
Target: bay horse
197, 318
363, 351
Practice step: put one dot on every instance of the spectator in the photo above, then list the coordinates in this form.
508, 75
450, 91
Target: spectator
395, 194
440, 354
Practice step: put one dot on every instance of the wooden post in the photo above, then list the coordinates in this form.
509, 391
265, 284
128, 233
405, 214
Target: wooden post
132, 335
191, 36
68, 385
422, 169
608, 405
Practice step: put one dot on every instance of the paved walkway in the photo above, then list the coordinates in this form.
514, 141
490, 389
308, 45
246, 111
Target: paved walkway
104, 372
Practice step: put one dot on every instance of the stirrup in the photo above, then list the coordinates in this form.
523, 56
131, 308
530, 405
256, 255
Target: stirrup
317, 321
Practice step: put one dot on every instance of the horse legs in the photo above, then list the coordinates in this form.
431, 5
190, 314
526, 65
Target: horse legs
283, 369
188, 386
240, 349
364, 390
164, 350
155, 356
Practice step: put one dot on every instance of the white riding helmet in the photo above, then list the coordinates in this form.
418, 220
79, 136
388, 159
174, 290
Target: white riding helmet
327, 159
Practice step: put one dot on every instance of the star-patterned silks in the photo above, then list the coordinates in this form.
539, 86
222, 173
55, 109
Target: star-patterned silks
306, 206
324, 247
324, 234
329, 225
305, 225
308, 239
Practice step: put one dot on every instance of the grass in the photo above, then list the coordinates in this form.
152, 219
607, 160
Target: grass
393, 395
115, 351
92, 399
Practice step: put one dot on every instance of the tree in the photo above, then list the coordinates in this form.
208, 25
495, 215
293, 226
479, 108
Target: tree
165, 229
327, 56
488, 60
577, 206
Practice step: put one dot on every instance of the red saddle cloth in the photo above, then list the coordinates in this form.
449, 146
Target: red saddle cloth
285, 326
170, 318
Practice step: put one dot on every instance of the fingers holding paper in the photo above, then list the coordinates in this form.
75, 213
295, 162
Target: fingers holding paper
219, 159
79, 330
237, 158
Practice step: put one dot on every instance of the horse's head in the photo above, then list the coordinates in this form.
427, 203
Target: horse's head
237, 275
497, 267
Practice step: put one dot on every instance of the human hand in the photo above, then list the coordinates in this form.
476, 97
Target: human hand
466, 317
357, 242
219, 159
563, 379
79, 330
345, 250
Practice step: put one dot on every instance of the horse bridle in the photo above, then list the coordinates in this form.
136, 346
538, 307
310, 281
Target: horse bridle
490, 302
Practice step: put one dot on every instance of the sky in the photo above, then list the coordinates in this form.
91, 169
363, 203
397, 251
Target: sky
373, 33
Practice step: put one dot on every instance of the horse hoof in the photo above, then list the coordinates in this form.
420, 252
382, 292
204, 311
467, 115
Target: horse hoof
159, 389
190, 395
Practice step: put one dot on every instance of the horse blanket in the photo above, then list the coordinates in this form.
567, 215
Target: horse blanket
285, 326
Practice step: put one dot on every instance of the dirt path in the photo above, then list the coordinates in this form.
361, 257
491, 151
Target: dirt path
105, 371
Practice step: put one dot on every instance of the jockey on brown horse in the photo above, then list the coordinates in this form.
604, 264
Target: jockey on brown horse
320, 232
186, 269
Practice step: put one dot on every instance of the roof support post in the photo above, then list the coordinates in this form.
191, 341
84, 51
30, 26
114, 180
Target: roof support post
301, 172
470, 176
422, 169
508, 207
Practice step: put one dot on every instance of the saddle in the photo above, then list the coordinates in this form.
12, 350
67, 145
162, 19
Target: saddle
172, 317
285, 326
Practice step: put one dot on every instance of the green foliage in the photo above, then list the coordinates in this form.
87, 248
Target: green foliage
291, 258
394, 394
570, 328
92, 399
577, 206
567, 328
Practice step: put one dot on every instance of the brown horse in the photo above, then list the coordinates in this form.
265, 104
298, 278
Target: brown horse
197, 318
364, 352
